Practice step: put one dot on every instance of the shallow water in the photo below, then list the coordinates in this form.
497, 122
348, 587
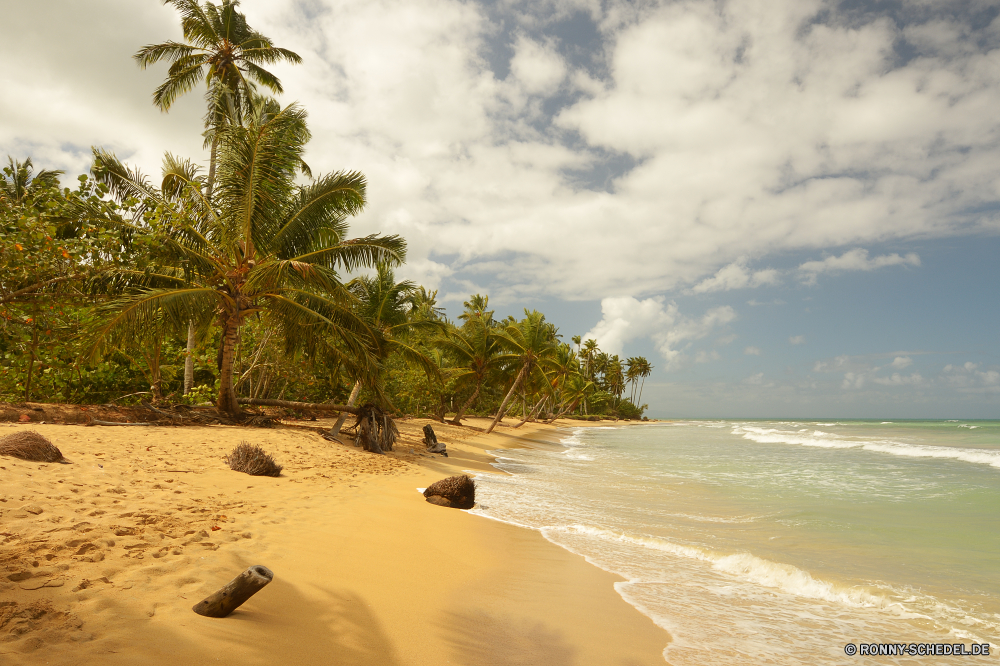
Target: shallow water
778, 541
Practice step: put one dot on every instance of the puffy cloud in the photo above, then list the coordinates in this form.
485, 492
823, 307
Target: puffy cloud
735, 276
968, 378
797, 340
901, 362
752, 351
626, 318
854, 260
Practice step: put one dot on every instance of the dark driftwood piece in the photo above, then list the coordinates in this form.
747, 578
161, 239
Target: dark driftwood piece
432, 443
238, 590
319, 406
115, 423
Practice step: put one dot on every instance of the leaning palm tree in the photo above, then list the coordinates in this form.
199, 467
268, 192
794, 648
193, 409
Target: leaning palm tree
476, 348
387, 307
262, 247
529, 343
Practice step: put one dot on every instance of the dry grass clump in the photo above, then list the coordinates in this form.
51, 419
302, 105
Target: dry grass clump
251, 459
29, 445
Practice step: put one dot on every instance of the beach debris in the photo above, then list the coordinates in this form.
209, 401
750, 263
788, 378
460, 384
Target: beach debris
376, 431
253, 460
235, 593
431, 440
458, 492
29, 445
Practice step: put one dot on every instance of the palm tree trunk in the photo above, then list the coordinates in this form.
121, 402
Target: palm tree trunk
210, 183
189, 360
510, 393
227, 391
531, 414
335, 430
640, 388
468, 403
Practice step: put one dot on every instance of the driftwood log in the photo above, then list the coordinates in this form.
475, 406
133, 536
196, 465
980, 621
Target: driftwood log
238, 590
290, 404
432, 443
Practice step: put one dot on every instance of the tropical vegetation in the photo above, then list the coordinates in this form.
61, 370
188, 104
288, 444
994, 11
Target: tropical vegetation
248, 275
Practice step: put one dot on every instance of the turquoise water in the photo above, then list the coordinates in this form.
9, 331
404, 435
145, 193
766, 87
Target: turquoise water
778, 541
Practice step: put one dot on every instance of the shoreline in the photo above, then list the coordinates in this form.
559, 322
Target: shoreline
366, 572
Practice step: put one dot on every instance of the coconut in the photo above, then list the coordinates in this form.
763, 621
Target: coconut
29, 445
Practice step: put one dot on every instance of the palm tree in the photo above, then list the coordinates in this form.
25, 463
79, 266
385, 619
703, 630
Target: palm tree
643, 369
263, 247
386, 306
227, 53
476, 347
19, 180
529, 342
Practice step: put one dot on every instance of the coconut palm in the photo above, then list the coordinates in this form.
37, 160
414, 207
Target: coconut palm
528, 344
263, 247
476, 347
227, 54
387, 306
18, 180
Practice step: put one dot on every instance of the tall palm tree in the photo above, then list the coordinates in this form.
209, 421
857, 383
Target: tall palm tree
227, 54
643, 369
263, 247
529, 343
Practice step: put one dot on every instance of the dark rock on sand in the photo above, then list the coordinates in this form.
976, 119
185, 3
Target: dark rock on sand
458, 492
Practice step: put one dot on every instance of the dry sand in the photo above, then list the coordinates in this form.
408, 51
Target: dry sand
102, 559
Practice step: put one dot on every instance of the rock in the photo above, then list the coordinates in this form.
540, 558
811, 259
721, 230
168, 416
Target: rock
458, 491
32, 508
431, 440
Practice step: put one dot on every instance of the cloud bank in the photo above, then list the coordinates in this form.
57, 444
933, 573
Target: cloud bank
579, 149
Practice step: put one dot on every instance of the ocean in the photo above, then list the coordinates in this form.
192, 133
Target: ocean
777, 542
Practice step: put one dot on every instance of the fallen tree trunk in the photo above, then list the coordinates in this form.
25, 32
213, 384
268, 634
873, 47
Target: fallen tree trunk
238, 590
290, 404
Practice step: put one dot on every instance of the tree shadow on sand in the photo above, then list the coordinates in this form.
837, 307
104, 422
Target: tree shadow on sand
481, 639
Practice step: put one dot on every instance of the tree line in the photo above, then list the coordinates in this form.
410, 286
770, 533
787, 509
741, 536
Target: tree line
236, 283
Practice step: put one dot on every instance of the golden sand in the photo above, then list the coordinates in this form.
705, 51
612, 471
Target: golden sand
101, 559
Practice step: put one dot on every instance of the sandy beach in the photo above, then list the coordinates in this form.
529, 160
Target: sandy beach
101, 559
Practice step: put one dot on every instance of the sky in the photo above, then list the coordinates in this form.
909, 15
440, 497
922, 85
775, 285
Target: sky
791, 207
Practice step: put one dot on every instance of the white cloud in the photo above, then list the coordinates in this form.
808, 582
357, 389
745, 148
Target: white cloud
968, 378
779, 127
755, 380
901, 362
854, 260
727, 339
706, 357
537, 67
752, 351
626, 318
898, 380
853, 381
736, 276
797, 340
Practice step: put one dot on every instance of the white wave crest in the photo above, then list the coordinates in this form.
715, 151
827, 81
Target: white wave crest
827, 440
745, 566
